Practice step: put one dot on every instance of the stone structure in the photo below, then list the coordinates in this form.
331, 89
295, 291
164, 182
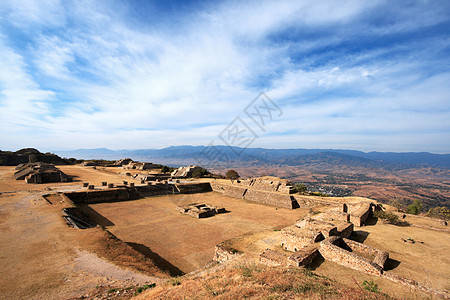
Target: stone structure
360, 214
298, 259
123, 161
185, 172
76, 218
271, 198
192, 188
134, 165
294, 238
150, 177
342, 251
325, 228
223, 254
266, 193
40, 173
200, 210
311, 237
267, 183
310, 202
124, 193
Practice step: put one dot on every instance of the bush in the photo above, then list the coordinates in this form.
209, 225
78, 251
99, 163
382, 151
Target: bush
319, 194
389, 218
415, 208
140, 289
300, 187
370, 286
165, 169
439, 213
199, 173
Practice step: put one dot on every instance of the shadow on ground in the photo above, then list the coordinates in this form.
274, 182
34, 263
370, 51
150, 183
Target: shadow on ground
317, 261
391, 264
371, 221
157, 260
359, 236
94, 216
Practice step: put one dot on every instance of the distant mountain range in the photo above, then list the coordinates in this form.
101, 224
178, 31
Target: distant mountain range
183, 155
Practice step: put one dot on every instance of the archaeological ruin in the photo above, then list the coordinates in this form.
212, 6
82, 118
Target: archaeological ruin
40, 172
200, 210
327, 235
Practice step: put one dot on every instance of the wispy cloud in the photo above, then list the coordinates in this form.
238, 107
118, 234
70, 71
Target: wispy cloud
348, 74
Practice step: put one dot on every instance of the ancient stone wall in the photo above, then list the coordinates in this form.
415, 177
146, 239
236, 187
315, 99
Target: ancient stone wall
110, 195
269, 198
272, 185
135, 192
300, 258
344, 229
222, 254
193, 188
264, 197
360, 215
304, 257
380, 256
294, 238
229, 190
330, 251
308, 202
235, 192
335, 215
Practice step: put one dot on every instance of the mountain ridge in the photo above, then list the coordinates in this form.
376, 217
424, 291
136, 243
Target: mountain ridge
195, 154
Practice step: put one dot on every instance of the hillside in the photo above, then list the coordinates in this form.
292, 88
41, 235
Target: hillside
244, 280
191, 154
8, 158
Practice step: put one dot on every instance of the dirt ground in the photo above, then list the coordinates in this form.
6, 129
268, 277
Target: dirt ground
188, 243
42, 258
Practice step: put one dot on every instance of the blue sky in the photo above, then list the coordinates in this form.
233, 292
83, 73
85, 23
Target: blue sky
364, 75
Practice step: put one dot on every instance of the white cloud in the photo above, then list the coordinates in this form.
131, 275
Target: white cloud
22, 101
102, 82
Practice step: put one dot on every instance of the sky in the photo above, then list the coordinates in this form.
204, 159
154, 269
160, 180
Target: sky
363, 75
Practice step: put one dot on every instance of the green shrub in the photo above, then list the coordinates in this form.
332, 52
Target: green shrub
415, 208
389, 218
439, 213
370, 286
199, 173
300, 187
140, 289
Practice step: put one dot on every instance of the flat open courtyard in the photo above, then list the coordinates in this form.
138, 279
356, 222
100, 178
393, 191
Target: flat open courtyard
185, 242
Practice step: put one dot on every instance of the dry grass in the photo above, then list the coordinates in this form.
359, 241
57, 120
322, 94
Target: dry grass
256, 281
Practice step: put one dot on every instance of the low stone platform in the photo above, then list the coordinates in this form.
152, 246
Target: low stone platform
200, 210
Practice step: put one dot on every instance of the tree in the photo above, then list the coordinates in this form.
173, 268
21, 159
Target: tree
232, 175
165, 169
415, 208
301, 188
199, 173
